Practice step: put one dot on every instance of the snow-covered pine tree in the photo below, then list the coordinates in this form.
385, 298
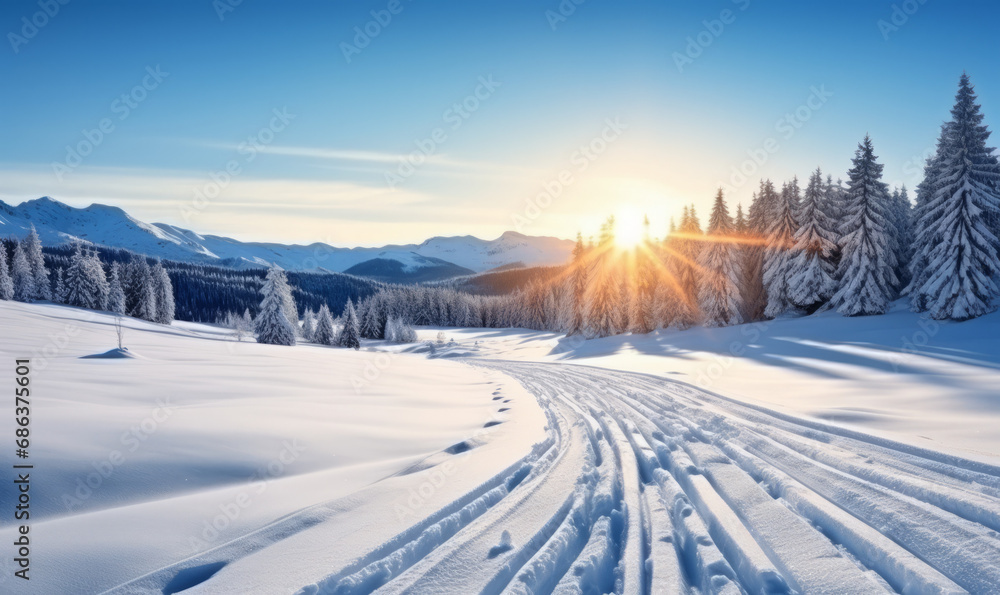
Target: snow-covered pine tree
754, 294
834, 202
811, 282
685, 260
59, 293
533, 298
402, 332
578, 281
163, 292
33, 251
287, 301
391, 329
272, 325
137, 283
86, 285
866, 274
380, 310
98, 280
324, 333
116, 296
20, 272
794, 196
366, 314
778, 253
719, 292
923, 240
963, 258
902, 221
740, 225
6, 282
643, 315
245, 323
308, 324
350, 334
603, 312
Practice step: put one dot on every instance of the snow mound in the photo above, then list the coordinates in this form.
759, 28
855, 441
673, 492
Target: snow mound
112, 354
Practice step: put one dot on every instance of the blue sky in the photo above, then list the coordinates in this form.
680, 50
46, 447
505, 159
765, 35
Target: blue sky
546, 86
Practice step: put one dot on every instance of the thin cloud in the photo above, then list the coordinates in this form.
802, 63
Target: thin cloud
377, 157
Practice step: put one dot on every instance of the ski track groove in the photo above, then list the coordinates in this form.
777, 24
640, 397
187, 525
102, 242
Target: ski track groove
646, 486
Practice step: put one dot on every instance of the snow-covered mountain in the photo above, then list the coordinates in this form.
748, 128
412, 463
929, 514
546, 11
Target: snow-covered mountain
58, 223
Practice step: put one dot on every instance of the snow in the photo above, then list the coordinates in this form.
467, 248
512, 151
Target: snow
217, 423
58, 223
900, 375
807, 455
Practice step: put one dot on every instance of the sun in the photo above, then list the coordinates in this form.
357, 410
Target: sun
629, 228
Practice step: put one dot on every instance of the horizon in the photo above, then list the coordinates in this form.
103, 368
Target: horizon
251, 241
672, 101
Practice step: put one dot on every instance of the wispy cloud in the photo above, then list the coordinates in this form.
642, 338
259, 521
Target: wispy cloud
384, 160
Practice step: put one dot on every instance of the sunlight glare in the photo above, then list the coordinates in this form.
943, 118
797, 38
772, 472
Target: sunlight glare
629, 229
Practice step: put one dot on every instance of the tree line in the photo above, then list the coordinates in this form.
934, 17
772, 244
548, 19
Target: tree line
853, 247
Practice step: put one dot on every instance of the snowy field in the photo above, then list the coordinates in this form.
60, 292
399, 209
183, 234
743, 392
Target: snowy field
814, 455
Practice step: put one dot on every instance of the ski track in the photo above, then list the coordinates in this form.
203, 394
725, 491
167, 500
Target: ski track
649, 486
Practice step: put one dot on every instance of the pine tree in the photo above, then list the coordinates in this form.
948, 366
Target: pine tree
6, 283
272, 325
350, 334
163, 293
603, 312
578, 279
902, 222
961, 247
137, 283
379, 317
245, 324
643, 315
811, 280
24, 279
867, 264
98, 281
324, 333
754, 293
740, 225
33, 252
308, 325
59, 293
86, 285
794, 196
719, 292
923, 239
778, 253
288, 302
398, 331
116, 296
685, 259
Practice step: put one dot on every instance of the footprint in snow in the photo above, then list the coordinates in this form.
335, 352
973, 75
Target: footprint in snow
504, 546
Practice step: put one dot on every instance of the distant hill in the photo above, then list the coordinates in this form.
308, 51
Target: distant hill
421, 269
504, 280
108, 226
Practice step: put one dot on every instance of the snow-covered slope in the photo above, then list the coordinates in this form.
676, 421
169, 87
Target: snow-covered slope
58, 223
312, 470
198, 440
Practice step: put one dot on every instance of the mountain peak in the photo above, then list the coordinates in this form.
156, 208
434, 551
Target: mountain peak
111, 226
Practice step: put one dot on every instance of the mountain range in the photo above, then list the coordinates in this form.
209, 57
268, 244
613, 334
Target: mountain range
437, 258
